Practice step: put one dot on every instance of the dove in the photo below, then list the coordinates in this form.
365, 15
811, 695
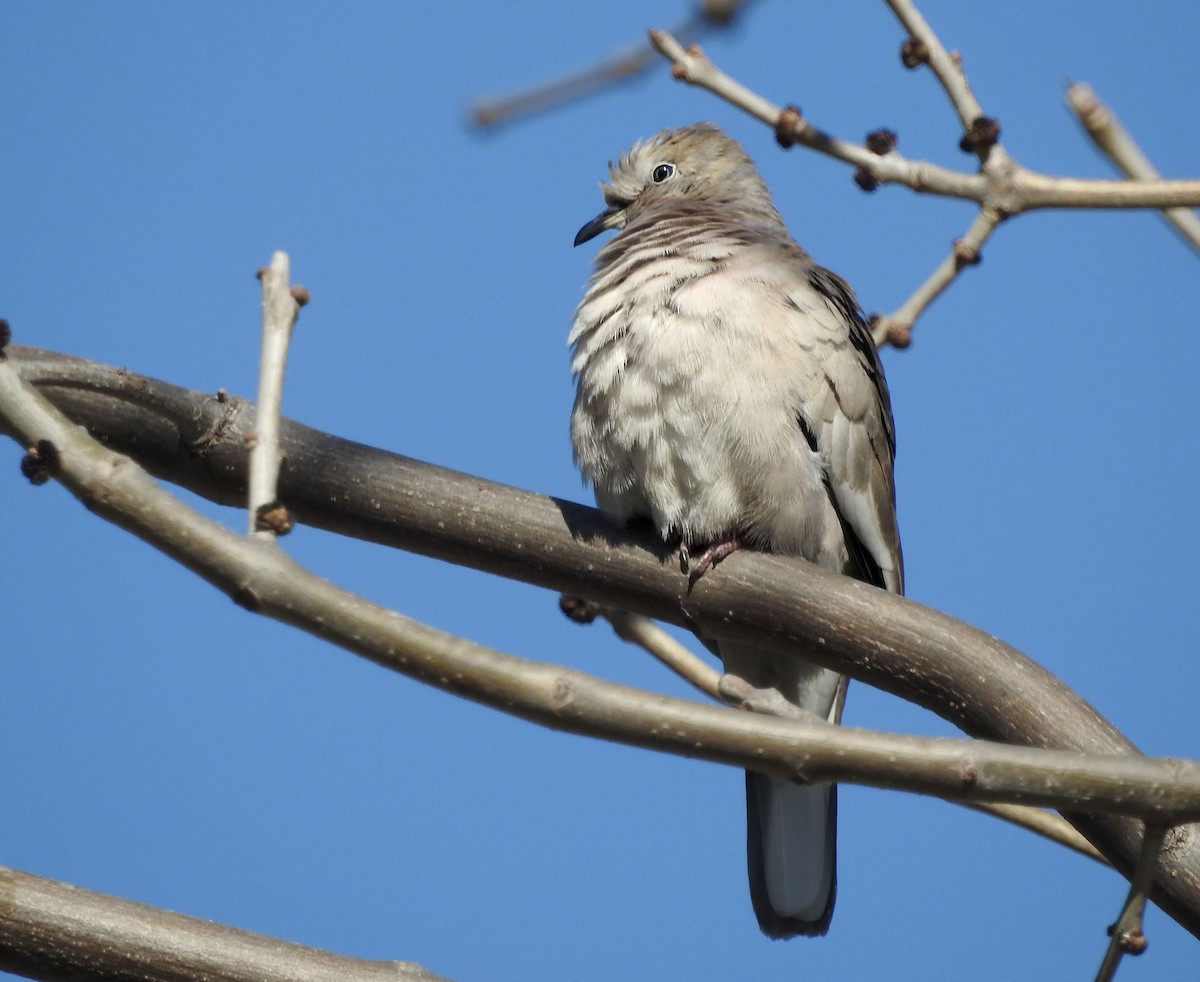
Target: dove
728, 391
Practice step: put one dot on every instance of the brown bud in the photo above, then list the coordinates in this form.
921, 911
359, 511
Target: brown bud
719, 12
966, 255
899, 335
980, 136
913, 52
300, 294
41, 462
274, 517
882, 141
865, 179
5, 334
1129, 942
789, 121
577, 609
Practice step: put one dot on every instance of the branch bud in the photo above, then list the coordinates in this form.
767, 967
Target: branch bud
981, 136
789, 122
913, 52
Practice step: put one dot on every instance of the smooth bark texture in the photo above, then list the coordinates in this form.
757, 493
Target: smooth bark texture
965, 675
51, 930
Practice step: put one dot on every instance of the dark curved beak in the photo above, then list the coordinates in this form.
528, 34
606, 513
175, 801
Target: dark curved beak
609, 218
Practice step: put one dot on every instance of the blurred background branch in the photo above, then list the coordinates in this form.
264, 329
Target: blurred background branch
630, 61
1114, 141
1002, 188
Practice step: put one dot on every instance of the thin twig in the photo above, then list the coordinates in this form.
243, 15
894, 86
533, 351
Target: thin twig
1114, 141
622, 65
896, 328
694, 67
691, 65
1128, 938
1044, 823
946, 67
642, 631
1010, 189
1002, 187
279, 307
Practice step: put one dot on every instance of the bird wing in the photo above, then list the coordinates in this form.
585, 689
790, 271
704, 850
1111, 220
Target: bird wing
848, 411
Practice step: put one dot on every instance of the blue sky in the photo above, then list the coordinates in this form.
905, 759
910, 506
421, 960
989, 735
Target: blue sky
166, 746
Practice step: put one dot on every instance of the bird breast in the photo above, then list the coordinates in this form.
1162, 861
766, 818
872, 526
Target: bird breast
691, 368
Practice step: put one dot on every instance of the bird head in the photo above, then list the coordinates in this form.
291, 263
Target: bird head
696, 163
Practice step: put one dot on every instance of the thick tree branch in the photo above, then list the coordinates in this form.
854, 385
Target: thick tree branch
54, 931
645, 633
967, 676
263, 579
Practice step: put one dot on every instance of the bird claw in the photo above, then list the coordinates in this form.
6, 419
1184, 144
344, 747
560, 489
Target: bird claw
713, 554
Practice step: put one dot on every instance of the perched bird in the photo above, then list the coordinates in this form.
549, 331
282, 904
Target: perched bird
728, 390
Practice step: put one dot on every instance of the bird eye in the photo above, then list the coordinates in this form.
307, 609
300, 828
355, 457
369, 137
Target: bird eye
662, 172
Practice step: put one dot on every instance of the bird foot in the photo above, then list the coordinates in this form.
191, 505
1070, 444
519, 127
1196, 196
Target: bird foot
713, 554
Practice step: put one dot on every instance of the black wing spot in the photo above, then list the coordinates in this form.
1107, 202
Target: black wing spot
809, 435
862, 565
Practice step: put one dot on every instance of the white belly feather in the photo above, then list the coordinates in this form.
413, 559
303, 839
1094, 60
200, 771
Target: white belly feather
664, 429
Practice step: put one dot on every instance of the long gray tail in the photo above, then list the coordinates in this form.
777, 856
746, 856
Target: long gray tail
791, 846
791, 829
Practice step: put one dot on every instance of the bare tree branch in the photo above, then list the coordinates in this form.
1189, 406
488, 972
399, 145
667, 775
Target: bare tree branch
643, 632
1011, 190
54, 931
1044, 823
263, 579
619, 66
279, 309
640, 630
965, 675
896, 328
1128, 937
1114, 141
1002, 187
924, 47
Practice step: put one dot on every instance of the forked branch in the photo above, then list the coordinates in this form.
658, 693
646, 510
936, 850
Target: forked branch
1002, 187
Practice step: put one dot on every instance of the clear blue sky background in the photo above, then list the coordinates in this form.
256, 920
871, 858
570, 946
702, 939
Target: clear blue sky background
164, 745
